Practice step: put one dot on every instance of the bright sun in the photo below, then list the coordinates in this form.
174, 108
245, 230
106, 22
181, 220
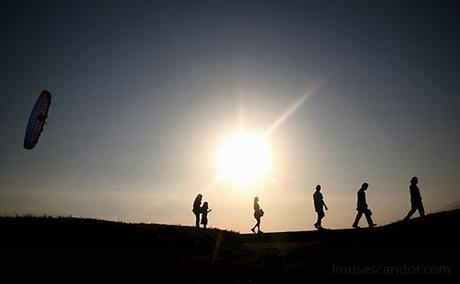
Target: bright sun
244, 159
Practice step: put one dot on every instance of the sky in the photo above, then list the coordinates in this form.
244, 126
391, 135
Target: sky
144, 93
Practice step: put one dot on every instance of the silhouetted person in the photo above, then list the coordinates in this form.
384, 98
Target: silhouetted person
197, 209
204, 214
258, 213
319, 206
362, 207
415, 199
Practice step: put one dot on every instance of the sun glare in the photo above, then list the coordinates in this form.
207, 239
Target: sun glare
244, 159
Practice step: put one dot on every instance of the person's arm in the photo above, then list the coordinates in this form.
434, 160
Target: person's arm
325, 206
209, 210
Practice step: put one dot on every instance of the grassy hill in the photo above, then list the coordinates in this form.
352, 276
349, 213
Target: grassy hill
85, 249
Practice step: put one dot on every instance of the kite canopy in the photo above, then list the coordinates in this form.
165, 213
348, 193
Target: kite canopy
37, 120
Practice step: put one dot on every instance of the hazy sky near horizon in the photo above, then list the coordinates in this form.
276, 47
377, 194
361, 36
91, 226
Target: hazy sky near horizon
145, 92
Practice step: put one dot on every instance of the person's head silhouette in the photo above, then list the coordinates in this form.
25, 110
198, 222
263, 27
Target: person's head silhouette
414, 180
364, 186
318, 187
256, 199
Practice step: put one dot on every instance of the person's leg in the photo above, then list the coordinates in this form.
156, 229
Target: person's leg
412, 211
317, 220
358, 217
320, 218
367, 213
197, 220
255, 226
258, 225
421, 210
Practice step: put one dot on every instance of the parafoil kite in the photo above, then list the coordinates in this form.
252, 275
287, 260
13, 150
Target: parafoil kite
37, 120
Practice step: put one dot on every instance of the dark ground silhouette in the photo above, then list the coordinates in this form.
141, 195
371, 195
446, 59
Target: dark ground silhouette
64, 249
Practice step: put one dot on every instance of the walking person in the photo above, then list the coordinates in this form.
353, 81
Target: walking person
415, 199
320, 205
258, 213
363, 208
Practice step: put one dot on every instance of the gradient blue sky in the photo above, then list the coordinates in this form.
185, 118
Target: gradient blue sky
145, 92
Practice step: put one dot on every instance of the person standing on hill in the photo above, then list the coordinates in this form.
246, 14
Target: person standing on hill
204, 214
197, 209
363, 208
319, 206
258, 213
415, 199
